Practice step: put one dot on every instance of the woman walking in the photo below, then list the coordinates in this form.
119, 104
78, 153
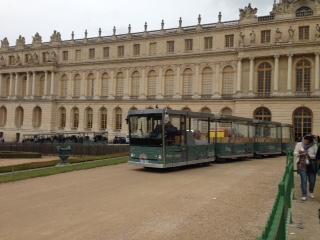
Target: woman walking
306, 152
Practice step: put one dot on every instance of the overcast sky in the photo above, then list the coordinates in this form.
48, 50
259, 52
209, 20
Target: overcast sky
26, 17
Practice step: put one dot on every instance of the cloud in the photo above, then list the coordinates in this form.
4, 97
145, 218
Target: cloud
43, 16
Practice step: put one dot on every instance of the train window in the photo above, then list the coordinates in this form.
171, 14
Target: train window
222, 133
198, 131
175, 131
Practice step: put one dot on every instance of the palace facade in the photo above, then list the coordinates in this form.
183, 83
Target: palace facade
264, 67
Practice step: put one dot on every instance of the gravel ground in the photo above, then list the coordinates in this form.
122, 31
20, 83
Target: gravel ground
306, 221
12, 162
222, 201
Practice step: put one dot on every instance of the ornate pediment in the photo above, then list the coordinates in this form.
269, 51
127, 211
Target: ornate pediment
248, 12
298, 7
5, 43
36, 39
21, 42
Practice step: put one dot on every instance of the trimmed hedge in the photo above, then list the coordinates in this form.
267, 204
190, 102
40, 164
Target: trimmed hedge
10, 155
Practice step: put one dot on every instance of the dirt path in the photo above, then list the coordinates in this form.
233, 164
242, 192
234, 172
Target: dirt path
221, 201
13, 162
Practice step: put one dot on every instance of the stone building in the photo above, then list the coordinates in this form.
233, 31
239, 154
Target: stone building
264, 67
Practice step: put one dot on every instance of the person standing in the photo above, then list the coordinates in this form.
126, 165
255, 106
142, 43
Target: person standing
306, 152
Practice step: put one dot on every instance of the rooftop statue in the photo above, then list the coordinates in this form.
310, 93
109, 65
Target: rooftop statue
36, 39
248, 12
56, 36
21, 41
4, 43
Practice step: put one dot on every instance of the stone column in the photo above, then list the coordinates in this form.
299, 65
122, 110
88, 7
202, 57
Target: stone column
69, 86
16, 85
317, 75
111, 87
11, 89
45, 84
178, 84
33, 84
216, 83
276, 76
196, 83
97, 85
143, 84
289, 81
251, 76
126, 85
52, 84
239, 78
160, 90
83, 88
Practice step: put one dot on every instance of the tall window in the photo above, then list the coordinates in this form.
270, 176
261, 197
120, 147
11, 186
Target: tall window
265, 36
92, 53
153, 48
75, 118
118, 119
24, 87
208, 43
135, 84
264, 79
304, 33
152, 83
62, 115
19, 117
206, 86
119, 84
120, 51
205, 110
90, 85
78, 55
262, 114
106, 51
170, 47
63, 86
169, 83
3, 116
302, 122
303, 76
76, 85
136, 50
103, 118
37, 117
104, 84
304, 11
229, 41
228, 81
226, 111
65, 55
89, 118
186, 109
187, 82
188, 44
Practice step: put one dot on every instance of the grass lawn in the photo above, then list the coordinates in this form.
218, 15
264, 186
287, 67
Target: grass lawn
17, 176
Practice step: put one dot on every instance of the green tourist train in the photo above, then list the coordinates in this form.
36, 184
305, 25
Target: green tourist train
164, 138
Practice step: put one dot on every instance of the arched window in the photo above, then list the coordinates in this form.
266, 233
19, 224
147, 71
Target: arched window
228, 81
103, 113
62, 117
302, 122
263, 114
24, 87
118, 119
187, 82
19, 117
37, 117
134, 125
3, 116
75, 118
119, 84
41, 90
152, 84
205, 110
63, 86
88, 118
76, 86
169, 83
135, 84
304, 11
303, 76
186, 109
104, 85
226, 111
264, 79
206, 86
90, 85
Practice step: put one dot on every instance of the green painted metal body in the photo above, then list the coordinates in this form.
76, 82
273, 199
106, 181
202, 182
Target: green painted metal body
287, 147
276, 228
261, 149
229, 150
